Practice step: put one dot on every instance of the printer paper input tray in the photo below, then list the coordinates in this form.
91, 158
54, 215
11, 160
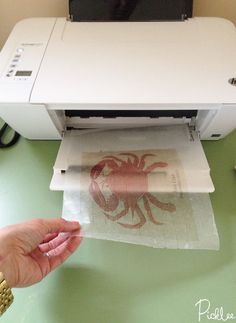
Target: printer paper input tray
192, 167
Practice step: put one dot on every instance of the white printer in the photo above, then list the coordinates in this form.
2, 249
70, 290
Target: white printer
57, 76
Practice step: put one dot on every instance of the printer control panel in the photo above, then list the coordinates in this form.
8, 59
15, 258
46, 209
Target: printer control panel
13, 68
24, 62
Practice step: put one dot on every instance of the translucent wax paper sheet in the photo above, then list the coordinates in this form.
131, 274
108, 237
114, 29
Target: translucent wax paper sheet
134, 194
190, 226
124, 206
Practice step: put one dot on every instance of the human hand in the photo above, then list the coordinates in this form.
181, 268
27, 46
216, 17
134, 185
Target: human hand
31, 250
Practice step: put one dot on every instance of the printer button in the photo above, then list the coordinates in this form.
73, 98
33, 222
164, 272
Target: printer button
20, 50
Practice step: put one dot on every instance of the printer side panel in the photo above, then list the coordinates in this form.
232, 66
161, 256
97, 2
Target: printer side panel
216, 124
31, 121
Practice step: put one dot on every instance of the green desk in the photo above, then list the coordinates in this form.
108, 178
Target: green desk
109, 282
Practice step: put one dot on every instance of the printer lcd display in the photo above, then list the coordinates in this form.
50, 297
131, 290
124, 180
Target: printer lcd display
23, 73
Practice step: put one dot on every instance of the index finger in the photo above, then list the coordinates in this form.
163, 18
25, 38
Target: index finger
57, 225
31, 233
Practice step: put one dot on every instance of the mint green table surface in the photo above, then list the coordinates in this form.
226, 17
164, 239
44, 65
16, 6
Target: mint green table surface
110, 282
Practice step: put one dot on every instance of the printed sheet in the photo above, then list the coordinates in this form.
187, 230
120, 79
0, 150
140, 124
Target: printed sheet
135, 196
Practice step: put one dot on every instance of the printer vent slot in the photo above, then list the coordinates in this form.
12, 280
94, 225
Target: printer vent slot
131, 113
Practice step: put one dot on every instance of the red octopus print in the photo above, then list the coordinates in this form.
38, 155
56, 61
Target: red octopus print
126, 179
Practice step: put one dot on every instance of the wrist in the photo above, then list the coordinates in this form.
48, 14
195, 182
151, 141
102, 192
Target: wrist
5, 271
6, 296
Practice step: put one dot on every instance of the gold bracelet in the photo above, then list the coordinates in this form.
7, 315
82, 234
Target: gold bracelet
6, 296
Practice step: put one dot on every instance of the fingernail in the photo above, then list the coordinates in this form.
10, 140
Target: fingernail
76, 224
71, 221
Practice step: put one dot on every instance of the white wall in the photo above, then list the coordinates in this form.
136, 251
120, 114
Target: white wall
12, 11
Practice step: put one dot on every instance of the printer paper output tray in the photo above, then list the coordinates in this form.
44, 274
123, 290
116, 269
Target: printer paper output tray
190, 167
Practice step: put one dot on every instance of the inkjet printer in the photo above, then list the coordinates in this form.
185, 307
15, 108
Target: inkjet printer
58, 76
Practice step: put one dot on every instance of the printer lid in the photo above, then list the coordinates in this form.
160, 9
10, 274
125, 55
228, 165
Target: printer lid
138, 62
